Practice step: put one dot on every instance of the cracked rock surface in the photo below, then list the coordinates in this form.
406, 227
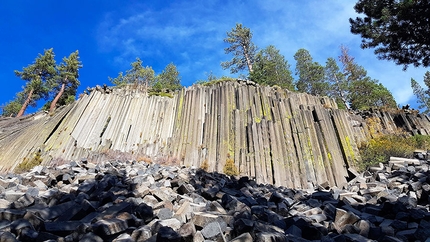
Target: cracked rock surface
132, 201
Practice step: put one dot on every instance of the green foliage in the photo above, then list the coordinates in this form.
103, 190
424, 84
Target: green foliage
229, 168
69, 96
242, 47
119, 80
69, 99
341, 104
43, 71
397, 29
421, 142
270, 68
369, 94
351, 74
64, 100
44, 78
137, 75
66, 83
311, 74
12, 108
339, 87
68, 70
352, 87
381, 148
212, 80
168, 79
28, 164
342, 79
422, 95
39, 77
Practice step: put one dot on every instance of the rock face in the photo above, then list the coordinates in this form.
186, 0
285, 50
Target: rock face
274, 136
135, 201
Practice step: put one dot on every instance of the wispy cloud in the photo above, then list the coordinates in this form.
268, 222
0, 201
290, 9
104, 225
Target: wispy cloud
188, 33
181, 35
191, 34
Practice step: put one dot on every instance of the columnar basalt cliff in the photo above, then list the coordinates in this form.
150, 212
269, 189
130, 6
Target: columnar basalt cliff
275, 136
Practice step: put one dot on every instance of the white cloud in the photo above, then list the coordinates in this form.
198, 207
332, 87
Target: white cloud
191, 34
184, 35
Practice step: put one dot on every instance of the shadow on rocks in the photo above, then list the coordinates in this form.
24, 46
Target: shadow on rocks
133, 201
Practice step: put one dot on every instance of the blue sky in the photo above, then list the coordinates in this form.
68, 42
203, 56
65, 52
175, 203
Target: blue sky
111, 34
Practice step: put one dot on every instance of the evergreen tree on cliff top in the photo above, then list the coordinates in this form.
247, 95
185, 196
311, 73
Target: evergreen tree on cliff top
311, 74
422, 95
67, 79
168, 79
39, 77
369, 93
361, 91
242, 47
43, 79
138, 75
399, 30
12, 108
337, 81
270, 68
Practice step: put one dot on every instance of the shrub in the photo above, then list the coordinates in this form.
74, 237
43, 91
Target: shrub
205, 165
379, 149
229, 168
213, 81
28, 164
145, 159
161, 94
421, 141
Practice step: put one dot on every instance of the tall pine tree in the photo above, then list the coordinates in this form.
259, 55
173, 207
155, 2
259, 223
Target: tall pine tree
270, 68
423, 96
397, 29
38, 77
339, 86
311, 74
242, 47
67, 78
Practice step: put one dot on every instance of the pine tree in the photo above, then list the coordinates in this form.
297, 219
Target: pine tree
12, 108
422, 95
311, 74
138, 75
367, 93
68, 73
38, 76
271, 68
363, 91
339, 86
169, 78
350, 69
397, 29
242, 47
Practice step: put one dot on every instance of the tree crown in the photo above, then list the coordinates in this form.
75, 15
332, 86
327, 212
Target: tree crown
397, 29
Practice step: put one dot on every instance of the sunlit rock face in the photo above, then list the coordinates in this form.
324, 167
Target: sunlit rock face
273, 136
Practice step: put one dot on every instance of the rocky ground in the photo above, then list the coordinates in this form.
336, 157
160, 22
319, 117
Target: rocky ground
131, 201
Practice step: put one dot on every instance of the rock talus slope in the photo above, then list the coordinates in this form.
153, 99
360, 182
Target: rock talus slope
134, 201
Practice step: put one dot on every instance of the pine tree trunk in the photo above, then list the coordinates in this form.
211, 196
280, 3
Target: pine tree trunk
25, 104
60, 93
248, 60
341, 94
